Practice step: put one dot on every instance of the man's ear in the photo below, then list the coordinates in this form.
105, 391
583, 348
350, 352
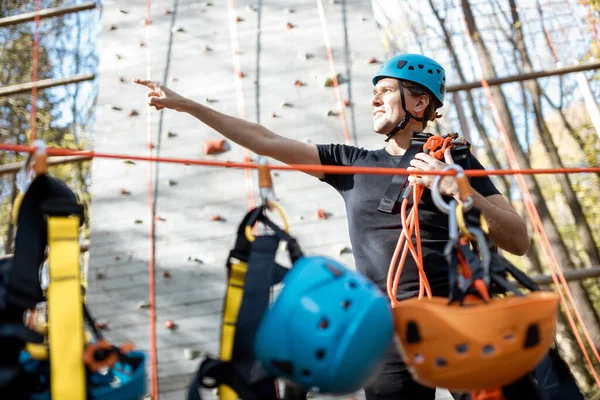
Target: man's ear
421, 104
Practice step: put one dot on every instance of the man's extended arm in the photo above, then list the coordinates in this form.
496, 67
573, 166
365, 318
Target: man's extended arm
250, 135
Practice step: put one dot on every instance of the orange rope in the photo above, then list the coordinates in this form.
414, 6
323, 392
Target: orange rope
435, 146
34, 71
534, 216
151, 229
329, 169
336, 85
592, 22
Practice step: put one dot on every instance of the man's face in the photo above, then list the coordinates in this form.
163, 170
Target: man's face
387, 105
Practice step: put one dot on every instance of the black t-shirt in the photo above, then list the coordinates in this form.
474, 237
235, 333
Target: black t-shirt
374, 234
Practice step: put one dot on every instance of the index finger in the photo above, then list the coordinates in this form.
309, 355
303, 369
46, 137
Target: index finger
149, 84
425, 157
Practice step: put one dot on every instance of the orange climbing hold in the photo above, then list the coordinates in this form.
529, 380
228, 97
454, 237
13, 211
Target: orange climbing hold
289, 25
134, 113
215, 218
214, 146
170, 325
298, 83
322, 214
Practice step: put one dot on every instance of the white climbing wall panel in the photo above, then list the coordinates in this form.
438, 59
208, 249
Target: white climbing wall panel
190, 43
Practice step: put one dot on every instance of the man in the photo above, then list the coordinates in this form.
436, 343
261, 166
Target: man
408, 89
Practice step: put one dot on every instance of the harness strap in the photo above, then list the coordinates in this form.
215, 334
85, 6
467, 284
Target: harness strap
65, 313
23, 287
390, 201
252, 271
398, 188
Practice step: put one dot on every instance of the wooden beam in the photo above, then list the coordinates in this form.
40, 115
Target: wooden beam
523, 77
16, 167
44, 84
575, 275
47, 13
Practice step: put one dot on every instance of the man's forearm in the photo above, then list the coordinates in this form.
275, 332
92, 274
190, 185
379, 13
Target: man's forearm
507, 229
247, 134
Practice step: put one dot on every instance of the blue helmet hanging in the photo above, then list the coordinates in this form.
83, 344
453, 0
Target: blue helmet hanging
328, 331
418, 69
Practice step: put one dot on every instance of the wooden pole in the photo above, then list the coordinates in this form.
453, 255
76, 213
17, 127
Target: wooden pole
47, 13
574, 275
523, 77
44, 84
13, 168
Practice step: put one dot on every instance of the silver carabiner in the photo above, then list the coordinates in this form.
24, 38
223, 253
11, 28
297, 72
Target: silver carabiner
485, 253
436, 195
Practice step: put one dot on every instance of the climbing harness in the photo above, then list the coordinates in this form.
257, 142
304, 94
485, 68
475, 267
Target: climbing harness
318, 335
398, 188
474, 340
418, 69
42, 333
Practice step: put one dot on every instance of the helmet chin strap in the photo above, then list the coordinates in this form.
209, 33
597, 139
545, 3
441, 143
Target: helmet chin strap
407, 116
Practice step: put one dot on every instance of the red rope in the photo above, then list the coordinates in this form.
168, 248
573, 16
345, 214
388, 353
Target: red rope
239, 92
336, 85
329, 169
34, 70
152, 225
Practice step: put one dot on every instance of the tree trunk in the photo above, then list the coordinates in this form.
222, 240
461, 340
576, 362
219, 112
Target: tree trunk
505, 187
587, 312
581, 223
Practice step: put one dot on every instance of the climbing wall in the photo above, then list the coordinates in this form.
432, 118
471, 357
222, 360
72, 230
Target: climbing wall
266, 61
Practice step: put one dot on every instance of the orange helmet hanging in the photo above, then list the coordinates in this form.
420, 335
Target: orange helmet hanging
472, 341
475, 346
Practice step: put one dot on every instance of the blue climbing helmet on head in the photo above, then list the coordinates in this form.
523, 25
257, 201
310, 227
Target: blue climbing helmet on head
418, 69
328, 331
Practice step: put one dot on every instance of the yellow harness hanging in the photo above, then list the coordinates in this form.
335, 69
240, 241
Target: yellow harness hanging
65, 312
233, 301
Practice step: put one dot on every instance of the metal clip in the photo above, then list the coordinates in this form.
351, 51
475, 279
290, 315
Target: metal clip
466, 196
26, 175
265, 183
484, 250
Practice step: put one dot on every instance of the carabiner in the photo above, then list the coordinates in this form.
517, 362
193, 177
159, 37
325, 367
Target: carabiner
463, 185
265, 183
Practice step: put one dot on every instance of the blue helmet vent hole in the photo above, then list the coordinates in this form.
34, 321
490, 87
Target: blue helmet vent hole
346, 304
324, 323
411, 68
352, 284
420, 66
438, 71
430, 72
320, 354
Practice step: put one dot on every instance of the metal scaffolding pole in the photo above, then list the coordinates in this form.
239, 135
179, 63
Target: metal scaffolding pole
47, 13
523, 77
44, 84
